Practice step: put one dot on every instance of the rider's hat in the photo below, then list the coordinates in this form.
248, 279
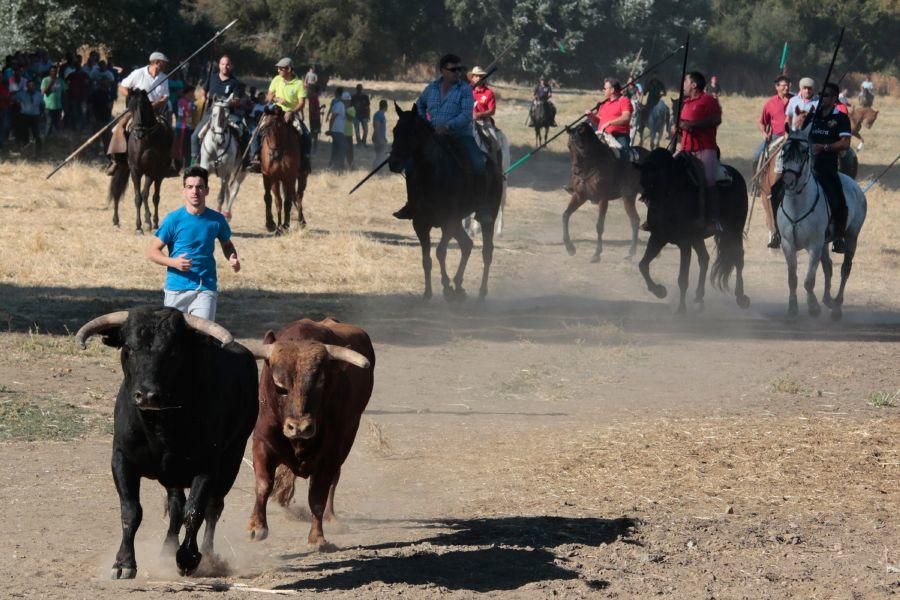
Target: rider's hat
807, 82
158, 56
478, 71
285, 62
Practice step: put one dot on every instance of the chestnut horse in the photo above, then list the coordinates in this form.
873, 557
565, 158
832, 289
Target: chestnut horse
285, 169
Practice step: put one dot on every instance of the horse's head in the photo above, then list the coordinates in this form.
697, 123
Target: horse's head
657, 170
583, 142
138, 104
796, 158
218, 118
410, 132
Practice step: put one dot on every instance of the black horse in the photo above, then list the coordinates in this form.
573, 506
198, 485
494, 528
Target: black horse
442, 189
599, 175
149, 156
541, 117
673, 206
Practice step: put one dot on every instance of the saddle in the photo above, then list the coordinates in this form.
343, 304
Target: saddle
630, 154
487, 141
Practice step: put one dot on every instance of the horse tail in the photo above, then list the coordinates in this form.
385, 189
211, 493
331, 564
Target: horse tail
730, 242
119, 181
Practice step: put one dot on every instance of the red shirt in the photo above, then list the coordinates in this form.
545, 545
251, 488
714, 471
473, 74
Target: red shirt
611, 110
773, 114
696, 109
484, 100
842, 108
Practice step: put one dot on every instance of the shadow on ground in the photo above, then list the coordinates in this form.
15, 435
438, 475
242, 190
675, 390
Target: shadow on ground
518, 552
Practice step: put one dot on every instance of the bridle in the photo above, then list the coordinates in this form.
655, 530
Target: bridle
224, 130
804, 166
139, 129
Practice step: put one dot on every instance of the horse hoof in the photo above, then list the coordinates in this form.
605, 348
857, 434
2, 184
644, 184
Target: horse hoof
570, 248
596, 257
814, 310
461, 294
826, 300
427, 295
258, 534
743, 301
449, 294
123, 573
138, 232
270, 227
659, 291
793, 311
187, 560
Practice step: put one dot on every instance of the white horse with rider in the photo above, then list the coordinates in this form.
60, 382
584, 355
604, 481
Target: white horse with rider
220, 153
803, 220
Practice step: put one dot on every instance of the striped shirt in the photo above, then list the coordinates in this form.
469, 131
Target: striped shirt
453, 110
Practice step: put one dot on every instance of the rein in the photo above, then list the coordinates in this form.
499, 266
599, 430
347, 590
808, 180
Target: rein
797, 221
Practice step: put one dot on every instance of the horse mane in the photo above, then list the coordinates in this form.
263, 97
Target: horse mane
587, 145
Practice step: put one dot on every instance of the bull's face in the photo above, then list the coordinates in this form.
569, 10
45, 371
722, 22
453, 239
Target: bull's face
298, 375
153, 356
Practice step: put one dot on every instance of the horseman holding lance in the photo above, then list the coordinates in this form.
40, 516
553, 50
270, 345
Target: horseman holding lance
543, 93
145, 78
287, 92
829, 136
613, 116
485, 105
222, 85
700, 117
447, 103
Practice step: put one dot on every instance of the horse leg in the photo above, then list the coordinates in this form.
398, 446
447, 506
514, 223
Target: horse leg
809, 282
574, 204
136, 182
465, 249
743, 301
790, 256
635, 220
602, 207
276, 193
827, 270
836, 310
441, 253
654, 246
703, 260
267, 198
145, 197
684, 270
487, 256
290, 186
157, 183
423, 232
299, 188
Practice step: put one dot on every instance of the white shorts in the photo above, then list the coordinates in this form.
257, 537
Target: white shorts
200, 303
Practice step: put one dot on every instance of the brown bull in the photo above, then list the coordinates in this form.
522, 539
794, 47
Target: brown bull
314, 386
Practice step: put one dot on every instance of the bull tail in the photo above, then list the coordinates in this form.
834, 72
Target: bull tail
283, 490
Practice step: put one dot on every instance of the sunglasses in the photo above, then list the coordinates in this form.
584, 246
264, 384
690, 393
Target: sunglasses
282, 68
453, 69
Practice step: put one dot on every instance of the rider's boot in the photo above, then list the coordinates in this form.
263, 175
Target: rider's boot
774, 239
713, 224
114, 160
407, 212
840, 225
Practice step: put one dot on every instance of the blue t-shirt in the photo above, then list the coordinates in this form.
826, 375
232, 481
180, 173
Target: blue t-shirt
194, 236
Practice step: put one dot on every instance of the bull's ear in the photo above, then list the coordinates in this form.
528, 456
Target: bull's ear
269, 338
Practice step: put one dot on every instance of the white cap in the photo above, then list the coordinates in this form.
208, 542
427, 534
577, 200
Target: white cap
807, 82
158, 56
345, 96
285, 62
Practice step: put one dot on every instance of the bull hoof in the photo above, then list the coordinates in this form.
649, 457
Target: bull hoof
570, 248
258, 534
743, 301
123, 573
187, 560
659, 291
596, 257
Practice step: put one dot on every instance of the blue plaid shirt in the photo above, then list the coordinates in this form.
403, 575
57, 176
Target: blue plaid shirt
454, 110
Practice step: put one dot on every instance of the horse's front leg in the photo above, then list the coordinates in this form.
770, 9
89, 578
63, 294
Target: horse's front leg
602, 207
684, 271
276, 193
703, 260
575, 203
487, 256
157, 183
145, 195
423, 232
790, 257
441, 253
138, 201
635, 220
827, 270
267, 198
846, 266
290, 193
809, 282
465, 249
654, 246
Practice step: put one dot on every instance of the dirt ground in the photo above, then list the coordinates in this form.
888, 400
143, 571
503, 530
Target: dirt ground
568, 437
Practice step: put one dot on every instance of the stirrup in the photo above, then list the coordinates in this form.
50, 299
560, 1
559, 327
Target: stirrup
774, 241
404, 213
838, 246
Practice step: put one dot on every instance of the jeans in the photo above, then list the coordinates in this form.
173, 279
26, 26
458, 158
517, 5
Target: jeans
361, 123
623, 139
759, 150
28, 125
200, 303
338, 152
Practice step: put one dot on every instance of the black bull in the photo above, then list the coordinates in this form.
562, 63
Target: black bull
183, 414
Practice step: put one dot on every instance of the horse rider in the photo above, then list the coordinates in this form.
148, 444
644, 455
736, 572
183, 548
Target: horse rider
288, 93
772, 124
613, 116
223, 85
145, 78
700, 117
543, 93
485, 105
867, 92
655, 91
829, 136
801, 104
447, 102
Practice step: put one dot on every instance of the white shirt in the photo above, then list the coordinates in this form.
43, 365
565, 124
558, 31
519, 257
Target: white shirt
142, 79
867, 85
340, 112
804, 106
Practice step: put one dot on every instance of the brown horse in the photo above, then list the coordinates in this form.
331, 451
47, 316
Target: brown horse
149, 156
285, 169
859, 116
599, 175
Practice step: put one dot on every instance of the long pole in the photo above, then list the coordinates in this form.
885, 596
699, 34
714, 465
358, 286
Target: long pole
78, 150
852, 61
674, 142
566, 128
880, 175
830, 69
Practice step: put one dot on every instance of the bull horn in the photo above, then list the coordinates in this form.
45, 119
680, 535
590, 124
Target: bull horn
107, 321
213, 330
347, 355
259, 350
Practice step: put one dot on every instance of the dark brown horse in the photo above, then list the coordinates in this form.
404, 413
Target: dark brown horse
541, 117
442, 189
285, 169
149, 156
599, 175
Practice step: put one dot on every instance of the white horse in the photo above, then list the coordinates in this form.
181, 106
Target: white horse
472, 226
658, 122
219, 154
803, 222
